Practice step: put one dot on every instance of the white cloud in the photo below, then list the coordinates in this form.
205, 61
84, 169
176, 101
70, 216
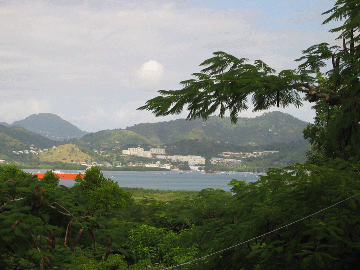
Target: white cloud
150, 71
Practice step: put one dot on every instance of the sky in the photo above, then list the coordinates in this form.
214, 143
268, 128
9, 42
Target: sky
94, 62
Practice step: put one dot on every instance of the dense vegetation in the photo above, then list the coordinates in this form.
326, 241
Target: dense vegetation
97, 225
303, 217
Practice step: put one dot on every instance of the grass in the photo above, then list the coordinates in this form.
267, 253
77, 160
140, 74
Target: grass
140, 194
67, 153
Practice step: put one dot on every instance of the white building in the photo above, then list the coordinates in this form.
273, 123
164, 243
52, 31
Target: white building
158, 151
133, 151
192, 160
148, 165
194, 168
137, 152
146, 154
195, 160
177, 158
126, 152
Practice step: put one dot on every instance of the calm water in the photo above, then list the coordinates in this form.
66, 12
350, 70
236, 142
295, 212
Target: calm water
170, 180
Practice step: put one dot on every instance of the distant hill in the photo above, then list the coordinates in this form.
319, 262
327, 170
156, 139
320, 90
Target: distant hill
268, 128
18, 139
279, 131
111, 138
50, 126
22, 137
66, 153
4, 124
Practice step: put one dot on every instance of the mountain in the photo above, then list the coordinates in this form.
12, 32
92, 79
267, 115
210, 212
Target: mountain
50, 126
268, 128
4, 124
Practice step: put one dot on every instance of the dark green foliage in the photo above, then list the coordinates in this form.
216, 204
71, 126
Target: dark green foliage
22, 221
93, 179
104, 193
164, 233
160, 246
42, 226
110, 196
328, 239
50, 180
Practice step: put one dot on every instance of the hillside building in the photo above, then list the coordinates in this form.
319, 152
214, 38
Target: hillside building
157, 151
191, 160
141, 153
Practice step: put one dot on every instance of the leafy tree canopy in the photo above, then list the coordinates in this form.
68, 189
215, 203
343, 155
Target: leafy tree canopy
226, 83
50, 180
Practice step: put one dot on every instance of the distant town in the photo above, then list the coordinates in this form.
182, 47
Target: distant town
160, 159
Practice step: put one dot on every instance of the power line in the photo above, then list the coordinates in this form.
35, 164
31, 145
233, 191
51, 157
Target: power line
217, 252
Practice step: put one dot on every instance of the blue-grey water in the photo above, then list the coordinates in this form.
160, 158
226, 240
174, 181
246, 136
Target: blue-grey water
170, 180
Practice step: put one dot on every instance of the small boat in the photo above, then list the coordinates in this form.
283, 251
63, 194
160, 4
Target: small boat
61, 175
211, 171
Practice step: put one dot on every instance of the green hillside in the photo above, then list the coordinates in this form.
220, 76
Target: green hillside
110, 138
20, 139
7, 145
25, 137
267, 128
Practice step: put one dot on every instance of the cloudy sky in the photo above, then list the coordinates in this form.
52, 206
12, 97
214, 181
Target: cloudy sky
93, 62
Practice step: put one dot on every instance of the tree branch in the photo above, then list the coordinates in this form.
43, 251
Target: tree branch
53, 207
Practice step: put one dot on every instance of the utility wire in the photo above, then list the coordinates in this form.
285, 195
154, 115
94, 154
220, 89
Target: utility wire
217, 252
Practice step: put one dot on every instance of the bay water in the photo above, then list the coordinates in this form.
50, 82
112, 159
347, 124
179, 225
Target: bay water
169, 180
